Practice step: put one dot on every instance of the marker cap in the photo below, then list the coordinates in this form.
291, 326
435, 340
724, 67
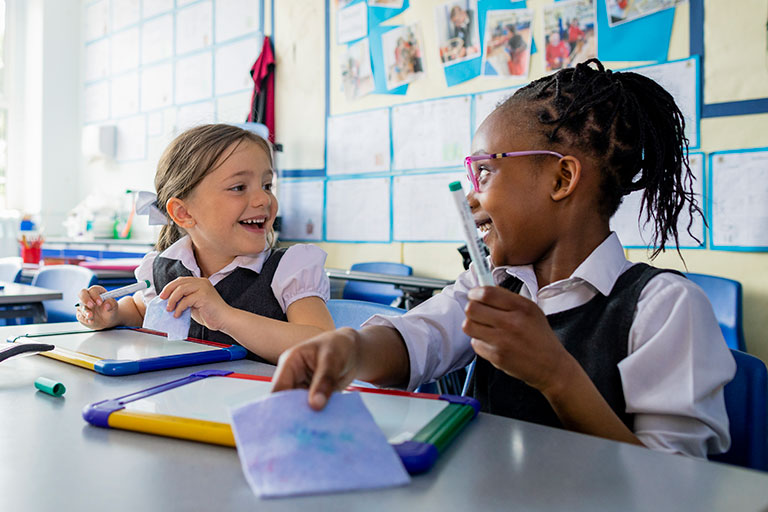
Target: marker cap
50, 386
454, 186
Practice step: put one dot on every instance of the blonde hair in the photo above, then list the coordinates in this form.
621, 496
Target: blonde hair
190, 158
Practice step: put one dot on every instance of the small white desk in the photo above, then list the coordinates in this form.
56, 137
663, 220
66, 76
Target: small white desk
53, 460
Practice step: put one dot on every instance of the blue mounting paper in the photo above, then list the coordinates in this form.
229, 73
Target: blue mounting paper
288, 449
645, 38
378, 14
158, 319
377, 61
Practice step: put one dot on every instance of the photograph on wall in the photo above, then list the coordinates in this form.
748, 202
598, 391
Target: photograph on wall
458, 36
623, 11
507, 45
570, 33
390, 4
356, 72
403, 61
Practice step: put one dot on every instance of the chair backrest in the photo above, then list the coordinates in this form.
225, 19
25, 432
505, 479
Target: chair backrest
745, 401
725, 296
10, 269
381, 293
69, 280
352, 313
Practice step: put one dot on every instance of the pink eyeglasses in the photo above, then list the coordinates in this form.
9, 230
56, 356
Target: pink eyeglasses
472, 175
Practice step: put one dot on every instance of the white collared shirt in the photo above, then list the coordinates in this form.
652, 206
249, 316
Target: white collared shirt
677, 362
300, 273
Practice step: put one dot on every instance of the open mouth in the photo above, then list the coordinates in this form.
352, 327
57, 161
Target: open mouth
484, 226
254, 223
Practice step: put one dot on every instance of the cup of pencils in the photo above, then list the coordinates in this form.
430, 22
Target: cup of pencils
31, 248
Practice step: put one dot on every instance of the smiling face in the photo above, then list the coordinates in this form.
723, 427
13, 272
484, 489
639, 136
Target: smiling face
513, 209
232, 209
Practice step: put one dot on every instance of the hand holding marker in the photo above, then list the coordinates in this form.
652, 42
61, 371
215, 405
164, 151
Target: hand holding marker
125, 290
482, 269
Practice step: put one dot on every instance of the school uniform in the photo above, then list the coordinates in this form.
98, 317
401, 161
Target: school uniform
648, 339
264, 284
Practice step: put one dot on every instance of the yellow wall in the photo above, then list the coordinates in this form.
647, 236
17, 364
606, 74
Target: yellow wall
300, 48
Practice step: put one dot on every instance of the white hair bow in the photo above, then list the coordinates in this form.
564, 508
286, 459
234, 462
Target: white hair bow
146, 204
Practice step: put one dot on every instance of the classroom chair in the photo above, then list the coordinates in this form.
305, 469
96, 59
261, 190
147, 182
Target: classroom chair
725, 296
10, 269
381, 293
352, 313
745, 401
69, 280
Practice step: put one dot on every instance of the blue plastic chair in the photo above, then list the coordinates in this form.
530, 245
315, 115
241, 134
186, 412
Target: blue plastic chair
10, 270
352, 313
69, 280
745, 401
725, 296
381, 293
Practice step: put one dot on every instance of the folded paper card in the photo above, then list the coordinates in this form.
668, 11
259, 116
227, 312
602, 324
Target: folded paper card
288, 449
158, 319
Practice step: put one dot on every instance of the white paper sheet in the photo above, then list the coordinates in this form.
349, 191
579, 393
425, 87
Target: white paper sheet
235, 18
679, 78
431, 133
194, 78
131, 139
233, 65
301, 209
352, 23
633, 230
194, 27
97, 102
157, 39
195, 114
739, 207
233, 108
125, 50
357, 210
156, 86
359, 143
486, 102
125, 94
97, 60
96, 20
153, 7
423, 210
124, 13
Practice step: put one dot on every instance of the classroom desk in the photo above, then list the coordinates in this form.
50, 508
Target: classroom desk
24, 301
415, 289
53, 460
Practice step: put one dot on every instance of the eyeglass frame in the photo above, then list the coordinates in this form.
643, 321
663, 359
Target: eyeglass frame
472, 158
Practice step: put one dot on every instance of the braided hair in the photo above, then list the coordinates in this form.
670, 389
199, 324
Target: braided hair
634, 129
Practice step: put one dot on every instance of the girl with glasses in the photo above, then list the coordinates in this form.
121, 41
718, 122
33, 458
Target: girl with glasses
573, 336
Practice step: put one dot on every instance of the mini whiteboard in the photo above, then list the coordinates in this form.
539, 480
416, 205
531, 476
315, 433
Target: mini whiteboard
635, 233
196, 407
123, 350
738, 212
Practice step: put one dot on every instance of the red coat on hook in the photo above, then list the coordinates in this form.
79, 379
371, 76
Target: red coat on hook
263, 98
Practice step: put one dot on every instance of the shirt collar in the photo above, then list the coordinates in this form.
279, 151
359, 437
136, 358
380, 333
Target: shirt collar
182, 250
600, 269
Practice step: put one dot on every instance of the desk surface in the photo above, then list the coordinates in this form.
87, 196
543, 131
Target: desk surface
429, 283
15, 293
53, 460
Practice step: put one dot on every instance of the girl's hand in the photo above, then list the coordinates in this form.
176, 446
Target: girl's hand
94, 312
324, 364
208, 308
512, 333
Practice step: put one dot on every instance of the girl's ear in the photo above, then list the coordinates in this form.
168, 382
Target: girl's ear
566, 178
179, 213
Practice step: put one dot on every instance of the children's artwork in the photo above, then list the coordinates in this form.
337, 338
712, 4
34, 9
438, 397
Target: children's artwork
570, 33
402, 48
423, 210
738, 209
431, 134
486, 102
457, 31
358, 210
352, 23
358, 143
507, 45
635, 231
622, 11
158, 318
288, 449
301, 209
356, 72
